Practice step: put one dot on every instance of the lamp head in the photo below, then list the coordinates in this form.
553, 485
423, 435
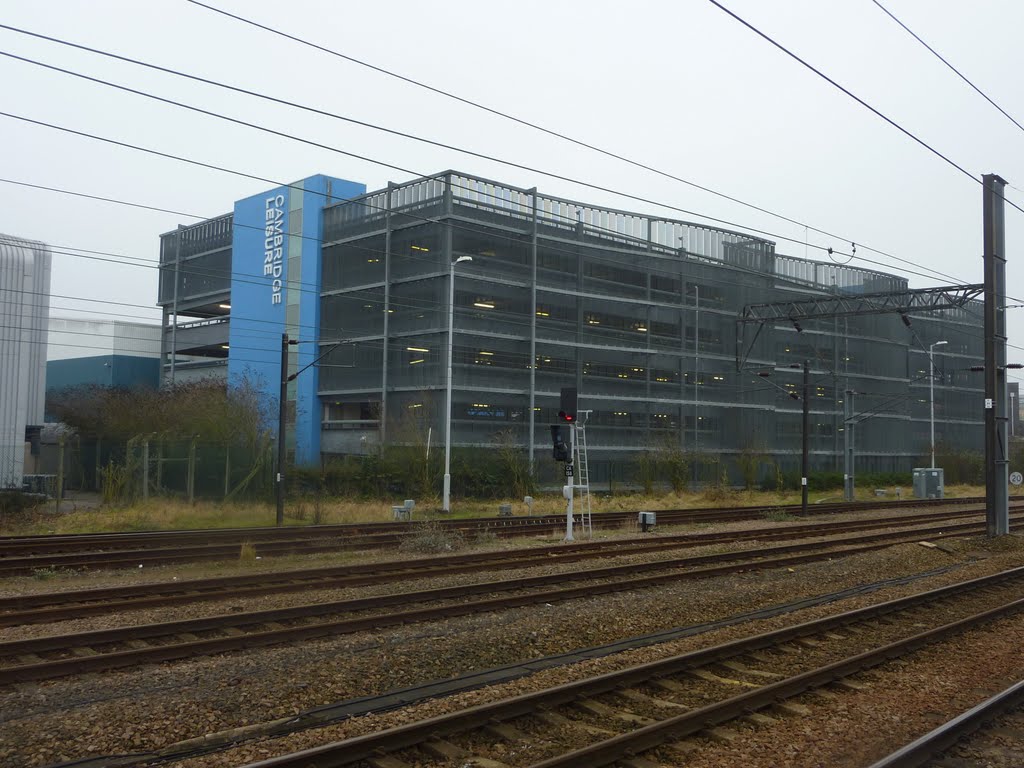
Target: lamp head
462, 259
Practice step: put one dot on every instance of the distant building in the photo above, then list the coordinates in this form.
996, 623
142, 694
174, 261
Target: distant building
105, 353
638, 312
24, 312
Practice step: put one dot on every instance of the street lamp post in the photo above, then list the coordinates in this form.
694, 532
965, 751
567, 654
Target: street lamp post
446, 498
931, 391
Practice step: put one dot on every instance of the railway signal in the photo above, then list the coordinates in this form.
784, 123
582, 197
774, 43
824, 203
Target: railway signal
560, 451
567, 405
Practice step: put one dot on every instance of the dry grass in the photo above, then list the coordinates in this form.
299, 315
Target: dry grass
169, 514
247, 554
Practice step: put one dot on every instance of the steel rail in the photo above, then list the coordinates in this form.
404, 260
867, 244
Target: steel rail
937, 741
106, 559
193, 646
354, 750
377, 527
648, 737
12, 546
56, 606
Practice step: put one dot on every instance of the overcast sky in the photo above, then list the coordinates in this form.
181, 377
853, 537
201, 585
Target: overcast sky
677, 85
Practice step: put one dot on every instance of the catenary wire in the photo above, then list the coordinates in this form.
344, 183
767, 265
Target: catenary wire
403, 134
186, 106
338, 150
945, 61
856, 98
298, 285
551, 132
510, 237
247, 175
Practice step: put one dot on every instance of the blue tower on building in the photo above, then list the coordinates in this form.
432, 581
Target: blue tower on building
232, 285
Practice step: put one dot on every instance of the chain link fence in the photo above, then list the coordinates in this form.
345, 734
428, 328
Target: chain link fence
155, 466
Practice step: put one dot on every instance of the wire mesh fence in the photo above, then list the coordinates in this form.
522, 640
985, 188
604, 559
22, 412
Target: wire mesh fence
156, 466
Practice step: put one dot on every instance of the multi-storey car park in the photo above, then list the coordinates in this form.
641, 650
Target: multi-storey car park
638, 312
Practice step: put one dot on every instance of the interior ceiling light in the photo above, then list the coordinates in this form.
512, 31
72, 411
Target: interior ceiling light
483, 305
417, 349
224, 306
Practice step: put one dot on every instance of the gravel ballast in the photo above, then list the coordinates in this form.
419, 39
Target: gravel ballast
151, 707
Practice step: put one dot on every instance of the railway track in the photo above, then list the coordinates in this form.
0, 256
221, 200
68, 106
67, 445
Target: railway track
58, 606
616, 718
40, 658
974, 727
21, 555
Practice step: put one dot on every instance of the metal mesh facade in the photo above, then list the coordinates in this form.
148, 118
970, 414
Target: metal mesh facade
638, 313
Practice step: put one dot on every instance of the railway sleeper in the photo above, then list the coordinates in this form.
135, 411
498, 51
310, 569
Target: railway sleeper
599, 709
561, 721
386, 761
652, 701
708, 676
743, 669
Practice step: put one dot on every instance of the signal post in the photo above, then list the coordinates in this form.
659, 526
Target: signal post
561, 450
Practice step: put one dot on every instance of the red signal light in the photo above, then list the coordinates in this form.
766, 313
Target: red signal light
567, 417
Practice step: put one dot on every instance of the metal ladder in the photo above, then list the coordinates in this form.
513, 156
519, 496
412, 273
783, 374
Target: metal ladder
583, 477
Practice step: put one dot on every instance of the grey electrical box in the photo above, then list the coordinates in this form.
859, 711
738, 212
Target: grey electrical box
929, 483
646, 520
404, 512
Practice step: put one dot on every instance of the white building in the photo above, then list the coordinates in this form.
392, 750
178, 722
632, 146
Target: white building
24, 313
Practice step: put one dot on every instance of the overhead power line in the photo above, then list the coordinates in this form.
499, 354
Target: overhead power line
941, 58
849, 93
454, 148
542, 129
243, 174
856, 98
310, 288
411, 172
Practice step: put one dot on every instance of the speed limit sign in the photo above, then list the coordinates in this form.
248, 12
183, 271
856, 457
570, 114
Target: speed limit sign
1016, 478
